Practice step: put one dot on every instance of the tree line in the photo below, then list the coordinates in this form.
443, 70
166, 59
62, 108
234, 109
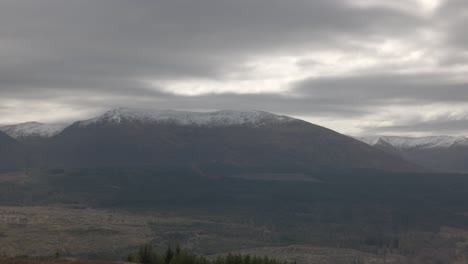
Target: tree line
149, 255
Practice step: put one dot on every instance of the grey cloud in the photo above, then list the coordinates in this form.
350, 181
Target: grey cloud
441, 126
75, 44
450, 21
267, 102
97, 54
378, 89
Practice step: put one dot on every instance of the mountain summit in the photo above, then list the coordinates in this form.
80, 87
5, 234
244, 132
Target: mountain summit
183, 118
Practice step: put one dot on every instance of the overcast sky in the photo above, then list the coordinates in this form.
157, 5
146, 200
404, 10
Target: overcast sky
360, 67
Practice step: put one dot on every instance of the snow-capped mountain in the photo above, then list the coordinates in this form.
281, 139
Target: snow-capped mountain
137, 137
216, 119
242, 139
444, 153
33, 130
417, 142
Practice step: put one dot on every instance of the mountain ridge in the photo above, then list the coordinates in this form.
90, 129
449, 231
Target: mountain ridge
187, 118
419, 142
33, 129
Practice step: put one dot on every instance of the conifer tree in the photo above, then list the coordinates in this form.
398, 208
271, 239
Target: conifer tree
169, 255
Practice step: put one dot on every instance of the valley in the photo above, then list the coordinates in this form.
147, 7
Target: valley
339, 217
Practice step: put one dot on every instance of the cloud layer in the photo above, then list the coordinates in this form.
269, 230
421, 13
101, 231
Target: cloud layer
357, 66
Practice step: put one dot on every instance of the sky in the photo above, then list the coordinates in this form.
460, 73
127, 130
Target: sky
361, 67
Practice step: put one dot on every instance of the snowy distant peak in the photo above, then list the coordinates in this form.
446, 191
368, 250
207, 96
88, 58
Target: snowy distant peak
416, 142
33, 129
217, 118
370, 140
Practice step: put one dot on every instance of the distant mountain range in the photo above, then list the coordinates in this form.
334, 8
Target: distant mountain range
443, 153
241, 139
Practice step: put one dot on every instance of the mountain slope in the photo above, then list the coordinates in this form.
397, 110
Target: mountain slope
443, 153
32, 130
12, 154
128, 137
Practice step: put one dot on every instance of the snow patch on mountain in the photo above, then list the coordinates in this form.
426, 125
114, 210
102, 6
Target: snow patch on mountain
217, 118
416, 142
33, 129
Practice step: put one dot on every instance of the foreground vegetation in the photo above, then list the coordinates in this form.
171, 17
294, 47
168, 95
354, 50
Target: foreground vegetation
24, 260
148, 255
